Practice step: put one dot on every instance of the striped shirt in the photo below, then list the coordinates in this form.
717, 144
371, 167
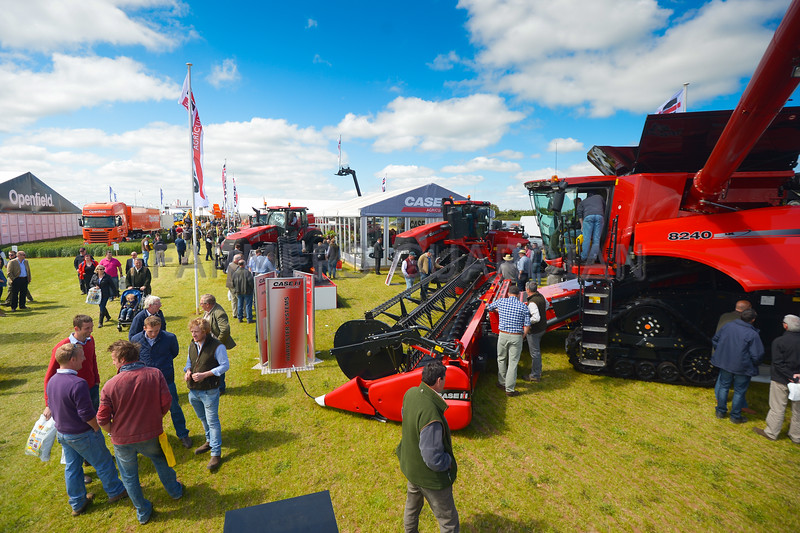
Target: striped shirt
514, 315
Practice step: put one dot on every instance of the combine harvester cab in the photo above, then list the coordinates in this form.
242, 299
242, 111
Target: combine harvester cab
696, 218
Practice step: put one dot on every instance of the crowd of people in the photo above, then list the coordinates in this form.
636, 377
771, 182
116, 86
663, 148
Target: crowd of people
131, 405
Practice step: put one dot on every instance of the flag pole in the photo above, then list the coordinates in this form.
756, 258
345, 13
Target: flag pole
191, 174
686, 97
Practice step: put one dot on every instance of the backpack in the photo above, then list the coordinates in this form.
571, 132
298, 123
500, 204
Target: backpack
411, 267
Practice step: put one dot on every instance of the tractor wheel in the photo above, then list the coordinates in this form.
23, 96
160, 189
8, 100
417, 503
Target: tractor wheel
645, 370
624, 368
668, 372
696, 368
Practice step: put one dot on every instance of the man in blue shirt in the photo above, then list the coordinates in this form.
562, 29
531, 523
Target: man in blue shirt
515, 319
157, 350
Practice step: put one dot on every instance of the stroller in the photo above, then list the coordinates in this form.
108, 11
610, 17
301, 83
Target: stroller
131, 302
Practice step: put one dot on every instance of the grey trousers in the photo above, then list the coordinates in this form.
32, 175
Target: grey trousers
509, 349
534, 347
442, 505
778, 398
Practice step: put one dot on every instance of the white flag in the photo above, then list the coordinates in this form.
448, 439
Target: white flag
673, 105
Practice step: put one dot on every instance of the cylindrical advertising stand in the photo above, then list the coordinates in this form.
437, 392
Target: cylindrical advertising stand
285, 319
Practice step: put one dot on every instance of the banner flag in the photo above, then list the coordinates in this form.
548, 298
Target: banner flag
383, 184
224, 185
188, 102
110, 194
674, 105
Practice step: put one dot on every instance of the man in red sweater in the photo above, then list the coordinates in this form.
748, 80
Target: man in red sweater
82, 336
132, 406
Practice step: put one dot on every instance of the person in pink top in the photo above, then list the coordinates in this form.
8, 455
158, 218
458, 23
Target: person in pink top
113, 270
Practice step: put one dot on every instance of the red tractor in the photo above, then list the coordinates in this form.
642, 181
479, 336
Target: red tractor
704, 212
288, 231
466, 228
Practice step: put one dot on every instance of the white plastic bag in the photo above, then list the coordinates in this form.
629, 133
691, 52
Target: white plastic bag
94, 295
794, 392
41, 439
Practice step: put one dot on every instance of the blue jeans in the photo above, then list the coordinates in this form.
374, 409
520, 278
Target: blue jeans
128, 463
423, 290
534, 343
332, 269
89, 446
206, 405
740, 383
592, 231
244, 304
409, 282
145, 256
175, 411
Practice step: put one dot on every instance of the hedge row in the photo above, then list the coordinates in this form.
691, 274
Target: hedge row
69, 248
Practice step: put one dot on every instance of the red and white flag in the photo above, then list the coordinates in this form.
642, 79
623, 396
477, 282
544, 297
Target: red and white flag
675, 104
224, 186
383, 184
187, 100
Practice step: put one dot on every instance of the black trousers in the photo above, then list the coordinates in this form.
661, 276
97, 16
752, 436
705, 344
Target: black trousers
19, 289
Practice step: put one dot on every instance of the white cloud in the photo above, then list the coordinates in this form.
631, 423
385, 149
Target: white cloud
460, 124
482, 163
445, 61
311, 24
509, 154
400, 176
595, 55
74, 83
268, 157
564, 145
227, 72
46, 25
319, 61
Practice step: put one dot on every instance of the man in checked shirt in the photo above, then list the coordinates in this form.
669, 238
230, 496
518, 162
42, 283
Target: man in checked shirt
515, 319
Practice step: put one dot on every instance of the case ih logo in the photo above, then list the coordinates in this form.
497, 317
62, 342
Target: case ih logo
288, 283
420, 204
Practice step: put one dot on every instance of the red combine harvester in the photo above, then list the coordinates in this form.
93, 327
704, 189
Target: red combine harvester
704, 212
449, 324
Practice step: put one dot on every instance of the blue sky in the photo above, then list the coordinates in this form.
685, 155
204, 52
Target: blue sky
473, 95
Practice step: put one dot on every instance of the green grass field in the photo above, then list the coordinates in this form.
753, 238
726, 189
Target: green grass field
572, 453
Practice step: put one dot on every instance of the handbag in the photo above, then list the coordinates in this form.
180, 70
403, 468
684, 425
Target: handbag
41, 439
794, 392
94, 295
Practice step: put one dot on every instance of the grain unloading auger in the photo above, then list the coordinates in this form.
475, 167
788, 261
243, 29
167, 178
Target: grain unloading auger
384, 353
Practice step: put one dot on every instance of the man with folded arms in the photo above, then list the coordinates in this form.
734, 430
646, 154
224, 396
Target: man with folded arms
78, 430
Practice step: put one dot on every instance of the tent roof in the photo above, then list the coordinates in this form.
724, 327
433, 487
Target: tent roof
424, 201
28, 194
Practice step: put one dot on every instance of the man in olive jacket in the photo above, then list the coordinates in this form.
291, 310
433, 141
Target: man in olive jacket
217, 318
426, 452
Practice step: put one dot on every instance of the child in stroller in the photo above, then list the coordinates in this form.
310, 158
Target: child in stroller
131, 304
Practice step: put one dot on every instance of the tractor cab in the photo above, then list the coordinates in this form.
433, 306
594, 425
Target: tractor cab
467, 219
556, 203
286, 219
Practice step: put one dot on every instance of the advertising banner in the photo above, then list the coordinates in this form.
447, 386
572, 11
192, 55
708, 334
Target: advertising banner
283, 323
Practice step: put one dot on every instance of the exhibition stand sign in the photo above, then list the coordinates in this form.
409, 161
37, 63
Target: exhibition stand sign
285, 319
